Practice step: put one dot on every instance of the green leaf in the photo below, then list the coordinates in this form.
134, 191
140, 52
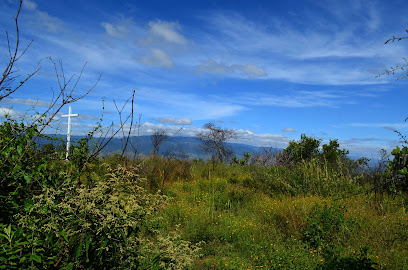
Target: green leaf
87, 243
19, 150
27, 178
78, 250
396, 151
35, 257
28, 205
104, 243
8, 230
42, 167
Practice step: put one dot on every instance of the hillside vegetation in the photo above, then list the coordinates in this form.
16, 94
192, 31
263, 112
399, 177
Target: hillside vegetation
307, 207
320, 211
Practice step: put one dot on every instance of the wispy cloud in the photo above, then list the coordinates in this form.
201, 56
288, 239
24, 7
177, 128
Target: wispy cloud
41, 19
388, 126
168, 31
297, 99
175, 121
248, 70
158, 58
13, 114
359, 140
115, 30
30, 5
321, 52
246, 136
26, 102
289, 130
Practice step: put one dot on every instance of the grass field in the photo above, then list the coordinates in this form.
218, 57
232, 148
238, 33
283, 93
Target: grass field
242, 227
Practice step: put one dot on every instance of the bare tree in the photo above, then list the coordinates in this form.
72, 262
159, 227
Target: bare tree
158, 137
11, 72
214, 141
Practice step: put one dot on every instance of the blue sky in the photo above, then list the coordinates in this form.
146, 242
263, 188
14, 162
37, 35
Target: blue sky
269, 70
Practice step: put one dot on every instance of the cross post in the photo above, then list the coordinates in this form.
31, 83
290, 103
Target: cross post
69, 115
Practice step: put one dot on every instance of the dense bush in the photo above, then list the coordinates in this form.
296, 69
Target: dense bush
398, 169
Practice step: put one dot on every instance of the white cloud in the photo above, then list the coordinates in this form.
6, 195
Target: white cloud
41, 19
323, 52
289, 130
13, 114
250, 70
359, 140
175, 121
27, 102
186, 104
167, 31
297, 99
115, 30
30, 5
369, 151
244, 136
158, 58
247, 70
389, 126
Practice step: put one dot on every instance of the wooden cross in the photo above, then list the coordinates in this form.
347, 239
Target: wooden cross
69, 115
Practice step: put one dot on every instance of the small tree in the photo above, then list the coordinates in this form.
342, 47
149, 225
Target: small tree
214, 138
304, 149
331, 152
158, 137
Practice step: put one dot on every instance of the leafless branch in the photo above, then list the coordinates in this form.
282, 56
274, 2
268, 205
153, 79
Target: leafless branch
8, 77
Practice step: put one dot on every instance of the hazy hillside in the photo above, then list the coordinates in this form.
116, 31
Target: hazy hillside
181, 147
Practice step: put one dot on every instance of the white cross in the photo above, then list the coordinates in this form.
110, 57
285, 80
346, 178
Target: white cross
69, 115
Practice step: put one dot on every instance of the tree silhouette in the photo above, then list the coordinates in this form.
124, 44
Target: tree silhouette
214, 138
158, 137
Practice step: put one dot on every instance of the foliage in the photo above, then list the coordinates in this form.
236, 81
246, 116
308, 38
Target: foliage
245, 228
12, 244
285, 211
23, 168
304, 149
160, 171
322, 224
96, 227
398, 169
242, 161
360, 261
331, 152
168, 252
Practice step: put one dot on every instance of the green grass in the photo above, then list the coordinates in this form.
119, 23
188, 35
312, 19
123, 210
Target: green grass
245, 228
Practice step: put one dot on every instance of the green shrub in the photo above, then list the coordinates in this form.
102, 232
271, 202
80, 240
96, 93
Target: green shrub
168, 252
398, 168
323, 223
95, 228
360, 261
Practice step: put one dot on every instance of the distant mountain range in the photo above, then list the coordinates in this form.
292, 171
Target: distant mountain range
180, 147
